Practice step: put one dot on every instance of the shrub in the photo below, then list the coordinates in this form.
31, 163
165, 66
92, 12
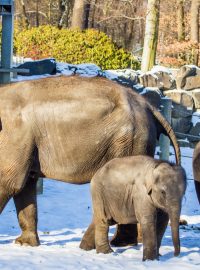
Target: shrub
73, 46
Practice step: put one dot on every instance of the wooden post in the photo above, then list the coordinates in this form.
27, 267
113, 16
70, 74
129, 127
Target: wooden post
164, 142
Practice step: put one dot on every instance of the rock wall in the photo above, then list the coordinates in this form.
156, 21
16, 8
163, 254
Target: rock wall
182, 86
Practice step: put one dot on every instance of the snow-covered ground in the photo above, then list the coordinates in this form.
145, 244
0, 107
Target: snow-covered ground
64, 214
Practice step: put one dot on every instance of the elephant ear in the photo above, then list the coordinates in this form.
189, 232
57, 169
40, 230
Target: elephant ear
153, 178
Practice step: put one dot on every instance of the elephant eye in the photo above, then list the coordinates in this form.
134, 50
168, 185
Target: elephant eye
163, 192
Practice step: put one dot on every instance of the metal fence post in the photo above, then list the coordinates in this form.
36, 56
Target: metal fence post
7, 13
40, 186
164, 142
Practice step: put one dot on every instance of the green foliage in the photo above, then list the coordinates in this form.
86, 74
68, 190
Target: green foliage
73, 46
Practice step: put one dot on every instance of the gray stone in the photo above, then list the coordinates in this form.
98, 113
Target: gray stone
196, 96
192, 83
181, 97
153, 96
180, 111
41, 67
149, 80
195, 131
181, 125
183, 73
161, 80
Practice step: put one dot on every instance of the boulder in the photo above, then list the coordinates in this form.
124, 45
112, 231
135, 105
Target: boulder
196, 96
195, 131
181, 97
183, 74
181, 125
160, 79
180, 111
153, 96
192, 83
149, 80
41, 67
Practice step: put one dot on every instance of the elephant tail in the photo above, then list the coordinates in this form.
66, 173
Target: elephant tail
168, 131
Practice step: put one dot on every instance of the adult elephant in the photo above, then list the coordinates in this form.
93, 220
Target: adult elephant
196, 169
66, 128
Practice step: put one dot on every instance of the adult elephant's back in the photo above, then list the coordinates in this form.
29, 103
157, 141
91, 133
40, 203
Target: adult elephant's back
78, 124
196, 169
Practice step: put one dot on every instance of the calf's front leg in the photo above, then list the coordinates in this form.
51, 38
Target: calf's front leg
101, 237
150, 251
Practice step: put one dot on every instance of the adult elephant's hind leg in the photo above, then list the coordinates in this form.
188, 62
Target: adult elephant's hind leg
88, 240
126, 234
26, 206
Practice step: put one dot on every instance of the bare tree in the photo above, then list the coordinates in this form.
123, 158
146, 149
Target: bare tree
180, 20
25, 17
195, 20
194, 24
78, 15
151, 35
64, 7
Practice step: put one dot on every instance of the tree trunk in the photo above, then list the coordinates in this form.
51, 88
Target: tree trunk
25, 17
37, 13
195, 27
64, 7
151, 35
180, 20
78, 15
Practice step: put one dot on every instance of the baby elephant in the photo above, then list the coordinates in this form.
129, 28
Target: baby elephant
138, 189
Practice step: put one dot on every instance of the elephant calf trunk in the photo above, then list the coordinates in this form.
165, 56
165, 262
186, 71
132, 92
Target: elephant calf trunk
174, 218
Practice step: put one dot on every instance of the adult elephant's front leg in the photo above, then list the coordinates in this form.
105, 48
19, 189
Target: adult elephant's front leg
26, 206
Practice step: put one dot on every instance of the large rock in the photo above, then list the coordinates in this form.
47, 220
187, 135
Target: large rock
41, 67
195, 131
153, 96
196, 96
181, 97
192, 83
188, 77
180, 111
181, 125
160, 79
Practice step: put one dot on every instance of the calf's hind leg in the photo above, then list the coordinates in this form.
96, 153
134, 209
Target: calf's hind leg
26, 206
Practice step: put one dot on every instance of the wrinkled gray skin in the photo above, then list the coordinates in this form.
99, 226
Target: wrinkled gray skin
66, 128
196, 169
132, 189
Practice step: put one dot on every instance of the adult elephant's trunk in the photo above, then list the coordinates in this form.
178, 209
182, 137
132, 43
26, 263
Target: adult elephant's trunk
167, 129
196, 169
174, 216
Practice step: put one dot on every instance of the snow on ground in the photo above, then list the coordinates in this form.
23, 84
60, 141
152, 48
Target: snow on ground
64, 214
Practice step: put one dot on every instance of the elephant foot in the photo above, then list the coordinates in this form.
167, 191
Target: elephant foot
85, 245
150, 255
126, 235
28, 239
104, 250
